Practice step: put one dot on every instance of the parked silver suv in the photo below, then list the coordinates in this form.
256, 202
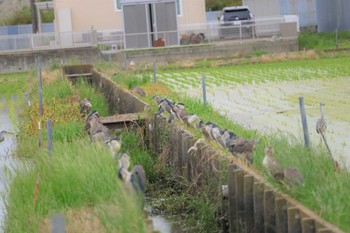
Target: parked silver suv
236, 21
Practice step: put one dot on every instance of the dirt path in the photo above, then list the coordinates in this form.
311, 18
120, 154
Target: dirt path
274, 106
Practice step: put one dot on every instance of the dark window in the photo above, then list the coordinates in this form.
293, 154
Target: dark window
236, 14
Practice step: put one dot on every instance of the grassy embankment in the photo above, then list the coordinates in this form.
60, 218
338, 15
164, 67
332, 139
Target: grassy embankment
325, 191
78, 179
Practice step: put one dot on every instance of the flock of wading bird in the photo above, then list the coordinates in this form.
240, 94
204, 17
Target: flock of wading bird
135, 179
236, 145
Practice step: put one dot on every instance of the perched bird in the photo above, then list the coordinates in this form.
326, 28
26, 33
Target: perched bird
94, 115
138, 91
2, 135
321, 124
270, 162
291, 176
193, 149
243, 148
191, 120
114, 145
164, 105
227, 138
135, 180
321, 127
85, 106
98, 132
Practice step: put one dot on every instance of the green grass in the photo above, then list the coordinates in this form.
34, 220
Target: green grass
76, 175
130, 81
323, 41
262, 72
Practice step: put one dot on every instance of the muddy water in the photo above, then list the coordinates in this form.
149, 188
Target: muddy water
7, 161
274, 106
163, 223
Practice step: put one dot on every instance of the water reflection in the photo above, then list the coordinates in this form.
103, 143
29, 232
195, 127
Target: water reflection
163, 223
7, 161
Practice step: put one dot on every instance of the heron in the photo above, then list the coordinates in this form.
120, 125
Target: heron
321, 126
114, 145
164, 104
270, 162
135, 180
2, 135
85, 106
291, 175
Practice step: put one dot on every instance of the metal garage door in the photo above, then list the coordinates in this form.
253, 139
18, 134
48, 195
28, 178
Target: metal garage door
148, 21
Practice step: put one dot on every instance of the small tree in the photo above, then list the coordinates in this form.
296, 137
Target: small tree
215, 5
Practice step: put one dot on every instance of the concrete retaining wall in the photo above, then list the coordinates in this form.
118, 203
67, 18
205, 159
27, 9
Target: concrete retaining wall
226, 49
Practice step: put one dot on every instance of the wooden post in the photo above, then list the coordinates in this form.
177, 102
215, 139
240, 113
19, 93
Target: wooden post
269, 211
155, 133
294, 224
281, 215
232, 196
308, 225
239, 182
179, 154
259, 207
249, 203
224, 209
40, 86
304, 122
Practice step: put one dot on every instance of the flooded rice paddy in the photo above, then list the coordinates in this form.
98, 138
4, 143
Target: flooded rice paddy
271, 107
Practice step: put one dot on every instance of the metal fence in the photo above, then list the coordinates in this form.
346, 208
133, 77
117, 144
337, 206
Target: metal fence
24, 29
187, 35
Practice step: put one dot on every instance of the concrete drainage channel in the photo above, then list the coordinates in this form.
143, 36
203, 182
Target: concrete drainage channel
249, 203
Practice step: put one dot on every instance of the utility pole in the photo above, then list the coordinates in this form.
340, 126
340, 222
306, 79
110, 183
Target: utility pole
34, 16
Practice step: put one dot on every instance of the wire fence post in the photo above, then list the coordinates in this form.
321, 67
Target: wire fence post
40, 134
38, 69
154, 72
49, 136
204, 90
304, 122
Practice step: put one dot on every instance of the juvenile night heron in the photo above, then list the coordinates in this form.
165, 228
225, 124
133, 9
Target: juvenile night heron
135, 180
270, 162
2, 135
114, 145
85, 106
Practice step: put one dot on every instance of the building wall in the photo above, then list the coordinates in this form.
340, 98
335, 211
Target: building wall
101, 14
86, 14
266, 8
332, 15
193, 12
305, 9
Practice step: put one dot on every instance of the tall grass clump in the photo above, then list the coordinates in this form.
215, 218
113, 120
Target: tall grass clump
84, 90
131, 80
323, 40
76, 175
